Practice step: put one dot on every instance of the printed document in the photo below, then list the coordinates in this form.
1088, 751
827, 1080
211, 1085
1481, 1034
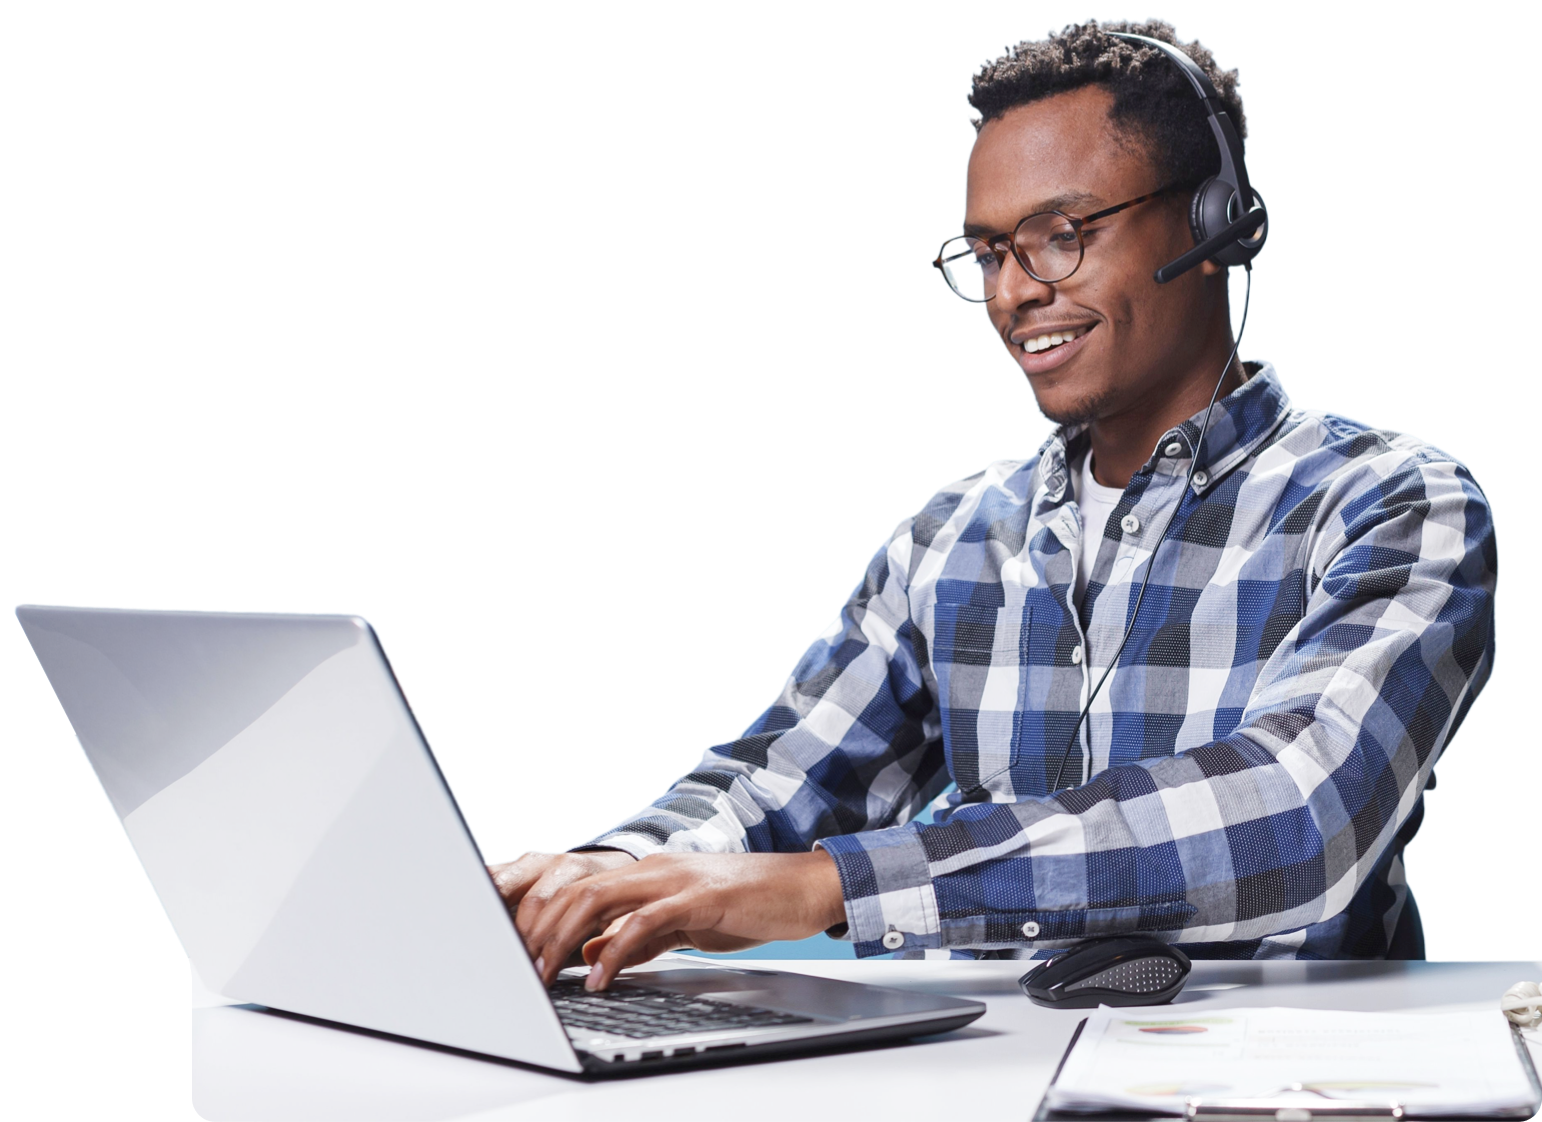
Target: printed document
1430, 1064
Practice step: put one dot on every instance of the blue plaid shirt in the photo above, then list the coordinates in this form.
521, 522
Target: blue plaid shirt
1315, 629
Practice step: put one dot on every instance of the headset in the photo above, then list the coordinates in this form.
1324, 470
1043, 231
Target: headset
1226, 216
1220, 236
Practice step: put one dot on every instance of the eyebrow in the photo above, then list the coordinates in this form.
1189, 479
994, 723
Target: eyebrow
1067, 201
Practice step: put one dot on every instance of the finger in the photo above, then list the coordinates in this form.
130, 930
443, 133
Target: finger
579, 911
604, 936
670, 941
554, 878
538, 916
648, 924
592, 949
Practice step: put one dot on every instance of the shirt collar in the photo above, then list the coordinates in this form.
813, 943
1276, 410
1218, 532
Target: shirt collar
1240, 424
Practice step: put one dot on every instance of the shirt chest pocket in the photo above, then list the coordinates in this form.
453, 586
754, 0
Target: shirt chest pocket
980, 659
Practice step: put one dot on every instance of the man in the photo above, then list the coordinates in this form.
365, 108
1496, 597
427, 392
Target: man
1315, 627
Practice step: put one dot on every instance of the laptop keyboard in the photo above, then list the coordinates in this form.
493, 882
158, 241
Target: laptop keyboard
641, 1011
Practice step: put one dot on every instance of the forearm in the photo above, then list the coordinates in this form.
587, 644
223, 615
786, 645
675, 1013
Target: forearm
818, 872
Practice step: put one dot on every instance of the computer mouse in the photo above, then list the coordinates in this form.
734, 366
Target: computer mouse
1127, 970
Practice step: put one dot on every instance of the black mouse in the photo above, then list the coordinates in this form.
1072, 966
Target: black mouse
1128, 970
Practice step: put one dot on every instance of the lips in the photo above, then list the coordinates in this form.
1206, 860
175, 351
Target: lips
1045, 350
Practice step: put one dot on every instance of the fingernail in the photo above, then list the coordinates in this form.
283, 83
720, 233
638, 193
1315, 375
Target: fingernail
596, 977
540, 966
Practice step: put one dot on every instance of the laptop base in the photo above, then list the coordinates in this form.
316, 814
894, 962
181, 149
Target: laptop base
725, 1054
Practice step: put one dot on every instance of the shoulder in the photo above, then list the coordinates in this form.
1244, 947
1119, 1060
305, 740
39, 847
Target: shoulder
1308, 431
1326, 451
1355, 479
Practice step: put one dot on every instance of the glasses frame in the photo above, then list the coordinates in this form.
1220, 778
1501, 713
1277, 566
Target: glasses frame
1002, 244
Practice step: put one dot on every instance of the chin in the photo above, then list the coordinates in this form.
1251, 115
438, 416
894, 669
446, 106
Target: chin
1071, 408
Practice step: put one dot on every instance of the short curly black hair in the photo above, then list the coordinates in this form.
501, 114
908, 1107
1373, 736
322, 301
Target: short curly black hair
1153, 101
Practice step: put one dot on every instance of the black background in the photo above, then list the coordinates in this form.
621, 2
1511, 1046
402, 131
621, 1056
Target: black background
597, 407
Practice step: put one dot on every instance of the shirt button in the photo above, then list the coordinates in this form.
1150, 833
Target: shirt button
1130, 524
1031, 929
1200, 479
1076, 656
1173, 449
893, 940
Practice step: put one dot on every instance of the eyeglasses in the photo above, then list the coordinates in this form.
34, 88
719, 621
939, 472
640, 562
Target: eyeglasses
1048, 245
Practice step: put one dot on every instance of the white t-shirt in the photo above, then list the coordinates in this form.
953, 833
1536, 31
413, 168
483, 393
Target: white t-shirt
1097, 502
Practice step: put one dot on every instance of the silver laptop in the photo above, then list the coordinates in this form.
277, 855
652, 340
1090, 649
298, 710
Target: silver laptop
311, 858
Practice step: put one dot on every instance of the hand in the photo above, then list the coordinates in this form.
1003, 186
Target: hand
528, 884
707, 901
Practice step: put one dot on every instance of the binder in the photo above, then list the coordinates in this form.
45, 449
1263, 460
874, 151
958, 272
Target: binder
1252, 1110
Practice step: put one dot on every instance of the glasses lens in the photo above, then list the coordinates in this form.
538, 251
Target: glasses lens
970, 268
1050, 244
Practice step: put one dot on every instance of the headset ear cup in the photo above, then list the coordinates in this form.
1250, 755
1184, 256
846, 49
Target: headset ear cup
1211, 210
1197, 211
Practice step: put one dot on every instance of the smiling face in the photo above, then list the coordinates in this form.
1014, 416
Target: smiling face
1107, 342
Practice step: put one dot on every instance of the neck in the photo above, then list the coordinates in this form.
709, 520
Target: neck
1122, 443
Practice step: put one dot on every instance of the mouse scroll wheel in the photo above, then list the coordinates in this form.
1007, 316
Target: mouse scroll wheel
1141, 975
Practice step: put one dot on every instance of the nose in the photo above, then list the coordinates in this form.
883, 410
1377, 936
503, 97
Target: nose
1015, 288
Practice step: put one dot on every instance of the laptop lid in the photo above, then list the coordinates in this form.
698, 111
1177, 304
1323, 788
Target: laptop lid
295, 825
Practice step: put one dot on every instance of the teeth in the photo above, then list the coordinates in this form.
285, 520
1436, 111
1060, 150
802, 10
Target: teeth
1053, 339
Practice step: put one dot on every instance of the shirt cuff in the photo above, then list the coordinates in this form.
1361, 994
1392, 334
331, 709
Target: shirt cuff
891, 901
886, 884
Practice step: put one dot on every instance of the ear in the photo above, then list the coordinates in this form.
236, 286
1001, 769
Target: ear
1210, 268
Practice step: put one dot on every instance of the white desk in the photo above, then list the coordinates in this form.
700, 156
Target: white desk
250, 1066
